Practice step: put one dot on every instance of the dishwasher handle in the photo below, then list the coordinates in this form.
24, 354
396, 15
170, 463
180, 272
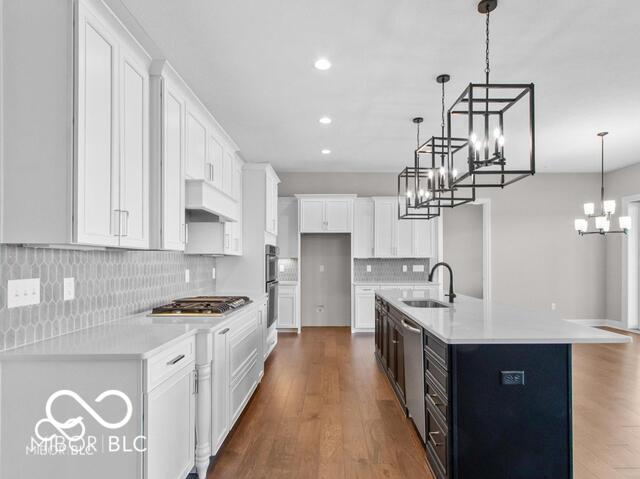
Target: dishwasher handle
408, 327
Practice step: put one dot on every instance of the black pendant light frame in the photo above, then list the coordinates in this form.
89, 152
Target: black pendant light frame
439, 150
486, 165
414, 179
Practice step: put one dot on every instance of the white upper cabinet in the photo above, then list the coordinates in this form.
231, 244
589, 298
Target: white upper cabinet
215, 160
385, 227
134, 150
363, 228
271, 201
326, 214
85, 181
396, 238
196, 144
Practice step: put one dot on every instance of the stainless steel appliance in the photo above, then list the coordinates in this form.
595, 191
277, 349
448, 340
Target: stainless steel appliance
207, 306
414, 374
271, 282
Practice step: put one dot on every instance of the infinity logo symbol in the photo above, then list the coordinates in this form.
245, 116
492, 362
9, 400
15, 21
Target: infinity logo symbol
63, 427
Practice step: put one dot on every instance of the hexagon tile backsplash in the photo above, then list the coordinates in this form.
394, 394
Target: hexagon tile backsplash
108, 285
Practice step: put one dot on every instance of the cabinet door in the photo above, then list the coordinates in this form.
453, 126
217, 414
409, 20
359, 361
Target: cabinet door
196, 145
404, 248
98, 218
262, 330
170, 425
215, 155
287, 309
220, 391
242, 352
173, 221
338, 215
365, 305
398, 366
363, 229
423, 238
274, 205
134, 153
237, 180
227, 173
385, 228
312, 216
229, 235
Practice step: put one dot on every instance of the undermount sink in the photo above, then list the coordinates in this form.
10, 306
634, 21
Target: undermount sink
424, 303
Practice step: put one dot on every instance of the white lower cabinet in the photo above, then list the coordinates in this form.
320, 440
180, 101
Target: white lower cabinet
235, 373
263, 339
288, 317
170, 425
365, 307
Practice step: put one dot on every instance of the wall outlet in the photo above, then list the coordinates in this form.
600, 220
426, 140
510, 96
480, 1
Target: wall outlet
418, 268
187, 276
553, 306
213, 273
368, 268
512, 378
404, 268
320, 308
69, 289
23, 292
321, 268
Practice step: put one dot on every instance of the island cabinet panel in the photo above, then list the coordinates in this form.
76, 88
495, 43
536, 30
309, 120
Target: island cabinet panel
492, 411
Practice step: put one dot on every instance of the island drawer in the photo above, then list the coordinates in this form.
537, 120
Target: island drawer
436, 399
437, 348
435, 373
437, 444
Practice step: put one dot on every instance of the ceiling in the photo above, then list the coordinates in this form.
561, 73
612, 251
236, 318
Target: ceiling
251, 63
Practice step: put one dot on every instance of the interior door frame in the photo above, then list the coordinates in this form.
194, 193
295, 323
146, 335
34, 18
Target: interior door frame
630, 252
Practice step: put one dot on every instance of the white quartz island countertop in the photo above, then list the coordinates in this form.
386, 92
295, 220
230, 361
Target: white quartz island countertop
475, 321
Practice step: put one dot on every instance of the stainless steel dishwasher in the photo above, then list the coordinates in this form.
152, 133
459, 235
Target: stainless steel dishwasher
414, 374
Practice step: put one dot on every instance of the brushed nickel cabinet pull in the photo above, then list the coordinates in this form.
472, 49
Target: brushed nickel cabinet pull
224, 331
175, 360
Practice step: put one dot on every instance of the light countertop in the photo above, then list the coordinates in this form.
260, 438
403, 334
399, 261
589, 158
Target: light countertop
133, 337
474, 321
395, 283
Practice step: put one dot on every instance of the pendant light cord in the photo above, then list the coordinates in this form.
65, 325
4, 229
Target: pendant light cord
602, 173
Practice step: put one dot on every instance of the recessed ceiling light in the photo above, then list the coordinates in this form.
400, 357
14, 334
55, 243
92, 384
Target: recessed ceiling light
326, 152
325, 120
322, 64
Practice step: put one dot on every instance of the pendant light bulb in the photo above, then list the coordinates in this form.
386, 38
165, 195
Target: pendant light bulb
454, 173
581, 225
473, 138
421, 193
496, 133
601, 221
609, 206
443, 171
501, 141
409, 194
624, 222
589, 209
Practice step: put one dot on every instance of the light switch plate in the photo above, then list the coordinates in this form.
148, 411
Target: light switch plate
418, 268
368, 268
69, 286
187, 276
213, 273
23, 292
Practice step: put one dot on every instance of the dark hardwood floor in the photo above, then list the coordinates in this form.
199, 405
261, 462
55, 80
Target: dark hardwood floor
325, 410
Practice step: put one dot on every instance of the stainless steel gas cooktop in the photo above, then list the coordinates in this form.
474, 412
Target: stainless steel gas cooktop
207, 306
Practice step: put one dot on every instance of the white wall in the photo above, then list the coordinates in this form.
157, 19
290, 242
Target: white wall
537, 258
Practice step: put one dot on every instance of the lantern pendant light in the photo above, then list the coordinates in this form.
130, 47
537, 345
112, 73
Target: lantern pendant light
415, 184
496, 156
602, 219
438, 151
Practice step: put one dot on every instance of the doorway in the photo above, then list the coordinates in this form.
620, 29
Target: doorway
325, 279
463, 248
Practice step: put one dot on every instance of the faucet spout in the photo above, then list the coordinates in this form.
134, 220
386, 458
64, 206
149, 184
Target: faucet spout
451, 294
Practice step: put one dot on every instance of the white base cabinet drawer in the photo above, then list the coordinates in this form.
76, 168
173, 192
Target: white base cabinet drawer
168, 362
